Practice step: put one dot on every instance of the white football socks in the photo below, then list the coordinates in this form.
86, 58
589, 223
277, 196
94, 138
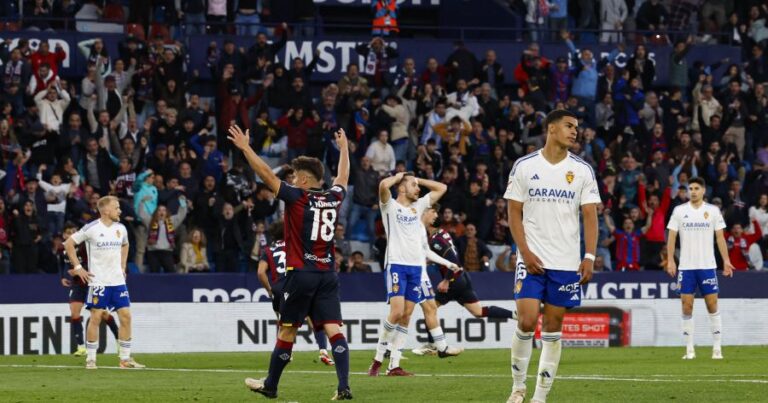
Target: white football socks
125, 349
439, 338
522, 347
385, 337
716, 325
688, 332
90, 350
551, 347
398, 341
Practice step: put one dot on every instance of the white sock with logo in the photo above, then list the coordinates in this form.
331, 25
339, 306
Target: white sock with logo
385, 337
551, 347
439, 338
688, 332
716, 325
398, 342
522, 346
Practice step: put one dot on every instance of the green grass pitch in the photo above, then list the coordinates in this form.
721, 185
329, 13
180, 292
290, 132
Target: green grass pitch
585, 375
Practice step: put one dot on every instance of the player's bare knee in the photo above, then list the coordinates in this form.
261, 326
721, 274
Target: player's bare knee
527, 323
287, 333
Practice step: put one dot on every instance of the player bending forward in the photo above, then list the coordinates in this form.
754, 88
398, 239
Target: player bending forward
78, 292
107, 244
272, 261
311, 286
697, 222
456, 285
546, 189
406, 256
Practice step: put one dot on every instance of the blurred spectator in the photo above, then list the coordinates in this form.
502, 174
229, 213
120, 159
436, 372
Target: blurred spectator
381, 154
651, 16
627, 242
358, 266
365, 198
162, 236
462, 64
473, 253
26, 236
739, 245
193, 256
613, 13
378, 56
229, 241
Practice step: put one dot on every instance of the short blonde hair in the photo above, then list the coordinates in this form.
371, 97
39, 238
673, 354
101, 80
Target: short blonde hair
104, 202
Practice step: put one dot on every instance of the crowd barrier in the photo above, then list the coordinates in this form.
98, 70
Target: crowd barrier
230, 312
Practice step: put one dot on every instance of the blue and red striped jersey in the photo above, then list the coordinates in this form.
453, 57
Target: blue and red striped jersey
274, 255
310, 223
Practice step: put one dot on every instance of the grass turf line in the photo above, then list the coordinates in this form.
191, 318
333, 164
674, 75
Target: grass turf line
585, 375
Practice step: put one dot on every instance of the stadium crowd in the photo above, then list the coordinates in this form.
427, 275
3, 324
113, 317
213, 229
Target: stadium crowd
137, 125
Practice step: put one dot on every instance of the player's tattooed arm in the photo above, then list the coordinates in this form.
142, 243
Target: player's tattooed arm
386, 184
243, 142
436, 189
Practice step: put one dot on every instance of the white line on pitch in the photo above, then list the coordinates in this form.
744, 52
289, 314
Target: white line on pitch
563, 377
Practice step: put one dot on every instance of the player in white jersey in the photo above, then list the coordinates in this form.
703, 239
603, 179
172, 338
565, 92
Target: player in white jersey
406, 255
697, 223
546, 191
106, 242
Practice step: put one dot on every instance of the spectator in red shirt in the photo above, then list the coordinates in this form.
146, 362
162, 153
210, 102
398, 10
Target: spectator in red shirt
43, 55
655, 235
297, 125
739, 243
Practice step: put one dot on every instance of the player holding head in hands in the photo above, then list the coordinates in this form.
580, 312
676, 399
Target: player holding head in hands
311, 287
546, 190
697, 222
405, 265
107, 246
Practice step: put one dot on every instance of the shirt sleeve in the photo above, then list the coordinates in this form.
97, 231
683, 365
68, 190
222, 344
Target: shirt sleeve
516, 187
589, 192
717, 219
81, 235
674, 221
423, 204
124, 234
289, 193
338, 192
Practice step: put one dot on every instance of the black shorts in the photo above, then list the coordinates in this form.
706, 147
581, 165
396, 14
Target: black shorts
78, 293
460, 291
277, 295
310, 293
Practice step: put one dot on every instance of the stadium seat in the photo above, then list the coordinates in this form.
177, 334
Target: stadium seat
137, 30
160, 30
114, 13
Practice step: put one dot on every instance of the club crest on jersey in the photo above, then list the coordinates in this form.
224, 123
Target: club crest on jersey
95, 300
518, 286
395, 288
413, 210
117, 233
706, 215
569, 177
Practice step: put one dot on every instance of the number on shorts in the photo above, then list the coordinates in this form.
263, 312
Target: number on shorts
98, 290
395, 278
324, 231
521, 271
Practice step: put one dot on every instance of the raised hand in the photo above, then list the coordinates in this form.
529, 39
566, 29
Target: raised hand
238, 138
341, 139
